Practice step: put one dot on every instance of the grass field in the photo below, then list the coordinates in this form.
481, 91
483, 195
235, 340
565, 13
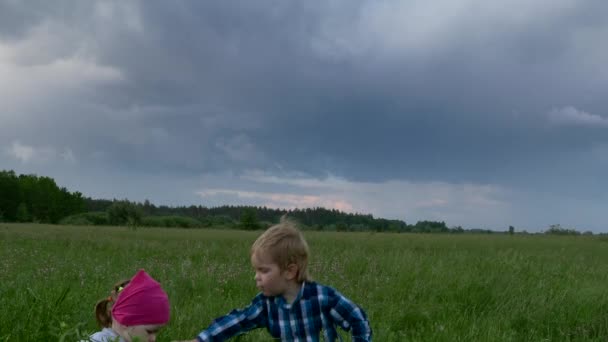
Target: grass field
413, 287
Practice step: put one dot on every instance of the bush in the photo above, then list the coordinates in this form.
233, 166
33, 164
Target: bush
557, 229
171, 222
124, 213
23, 214
93, 218
218, 221
249, 220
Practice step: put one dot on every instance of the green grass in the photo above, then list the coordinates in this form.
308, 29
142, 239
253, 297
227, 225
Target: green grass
413, 287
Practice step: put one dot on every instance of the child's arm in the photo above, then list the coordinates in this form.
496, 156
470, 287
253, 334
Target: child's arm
236, 322
348, 315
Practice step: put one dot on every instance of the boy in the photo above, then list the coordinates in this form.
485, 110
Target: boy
289, 305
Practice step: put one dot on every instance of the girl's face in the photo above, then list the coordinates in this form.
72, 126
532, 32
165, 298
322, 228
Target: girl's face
138, 333
145, 333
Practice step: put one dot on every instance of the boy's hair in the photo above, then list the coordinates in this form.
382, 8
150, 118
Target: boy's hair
103, 308
286, 245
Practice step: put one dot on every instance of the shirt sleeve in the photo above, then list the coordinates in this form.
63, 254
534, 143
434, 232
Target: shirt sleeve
236, 322
350, 317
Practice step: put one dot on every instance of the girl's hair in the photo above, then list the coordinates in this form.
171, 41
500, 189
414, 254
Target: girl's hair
286, 245
103, 308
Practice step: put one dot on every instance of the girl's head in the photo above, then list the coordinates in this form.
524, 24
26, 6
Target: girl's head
103, 308
141, 309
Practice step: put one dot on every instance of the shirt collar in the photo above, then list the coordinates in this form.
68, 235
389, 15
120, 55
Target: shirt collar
283, 303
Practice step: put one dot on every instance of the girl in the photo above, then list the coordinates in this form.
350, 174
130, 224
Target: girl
140, 310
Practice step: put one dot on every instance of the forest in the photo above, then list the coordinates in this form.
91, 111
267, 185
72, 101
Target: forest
32, 198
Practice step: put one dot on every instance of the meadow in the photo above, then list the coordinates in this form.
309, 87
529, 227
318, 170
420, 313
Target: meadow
414, 287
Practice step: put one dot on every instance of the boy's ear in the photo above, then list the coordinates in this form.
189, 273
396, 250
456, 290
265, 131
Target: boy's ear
291, 271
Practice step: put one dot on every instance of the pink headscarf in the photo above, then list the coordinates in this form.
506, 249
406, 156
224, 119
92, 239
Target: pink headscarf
142, 302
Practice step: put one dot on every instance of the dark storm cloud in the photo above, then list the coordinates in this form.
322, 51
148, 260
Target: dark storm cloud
367, 91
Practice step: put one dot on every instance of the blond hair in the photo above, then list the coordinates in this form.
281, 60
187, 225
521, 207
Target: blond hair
286, 245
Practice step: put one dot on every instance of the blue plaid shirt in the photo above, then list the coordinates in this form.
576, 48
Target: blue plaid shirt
317, 309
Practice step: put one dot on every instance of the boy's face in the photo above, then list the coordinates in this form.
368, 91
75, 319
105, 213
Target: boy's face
269, 278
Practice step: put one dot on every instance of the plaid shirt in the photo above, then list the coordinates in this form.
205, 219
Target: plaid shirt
317, 309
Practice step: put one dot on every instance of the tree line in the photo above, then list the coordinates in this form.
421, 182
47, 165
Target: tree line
248, 217
29, 198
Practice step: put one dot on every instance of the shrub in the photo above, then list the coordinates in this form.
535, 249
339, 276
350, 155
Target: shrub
124, 213
557, 229
93, 218
249, 220
171, 222
23, 214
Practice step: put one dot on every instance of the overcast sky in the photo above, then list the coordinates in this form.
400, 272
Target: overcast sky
483, 114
